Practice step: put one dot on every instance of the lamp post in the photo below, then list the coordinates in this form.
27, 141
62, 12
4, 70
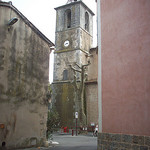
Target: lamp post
76, 116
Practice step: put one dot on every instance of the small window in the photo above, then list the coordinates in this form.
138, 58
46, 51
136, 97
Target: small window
68, 18
87, 21
3, 144
65, 75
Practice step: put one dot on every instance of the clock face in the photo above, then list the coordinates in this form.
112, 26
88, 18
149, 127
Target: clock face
66, 43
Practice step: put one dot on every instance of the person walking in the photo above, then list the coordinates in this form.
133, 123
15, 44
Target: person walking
95, 131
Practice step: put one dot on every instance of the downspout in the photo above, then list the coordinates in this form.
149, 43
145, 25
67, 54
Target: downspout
99, 65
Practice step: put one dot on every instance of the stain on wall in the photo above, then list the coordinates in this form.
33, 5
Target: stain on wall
64, 97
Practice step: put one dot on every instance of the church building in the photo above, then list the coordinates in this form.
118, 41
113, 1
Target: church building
74, 38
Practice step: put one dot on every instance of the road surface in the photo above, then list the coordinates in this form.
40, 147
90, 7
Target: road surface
80, 142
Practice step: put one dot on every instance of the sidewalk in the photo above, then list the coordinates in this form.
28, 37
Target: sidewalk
50, 144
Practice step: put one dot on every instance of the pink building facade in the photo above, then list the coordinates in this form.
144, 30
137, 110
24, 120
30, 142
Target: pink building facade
124, 67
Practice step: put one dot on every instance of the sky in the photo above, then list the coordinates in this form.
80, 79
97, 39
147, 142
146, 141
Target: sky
43, 15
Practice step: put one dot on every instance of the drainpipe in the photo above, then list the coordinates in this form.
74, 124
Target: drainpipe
99, 65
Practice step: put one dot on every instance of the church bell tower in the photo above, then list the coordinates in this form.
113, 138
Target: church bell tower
73, 40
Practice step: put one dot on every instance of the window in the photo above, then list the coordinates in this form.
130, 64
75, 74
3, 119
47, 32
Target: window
87, 21
68, 18
65, 75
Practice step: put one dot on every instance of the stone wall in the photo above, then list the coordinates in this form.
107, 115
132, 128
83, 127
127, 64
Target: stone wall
78, 10
108, 141
24, 70
66, 96
64, 60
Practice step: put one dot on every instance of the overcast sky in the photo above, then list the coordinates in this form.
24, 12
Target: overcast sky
42, 14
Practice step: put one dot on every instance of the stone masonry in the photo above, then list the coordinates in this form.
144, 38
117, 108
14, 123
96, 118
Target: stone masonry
108, 141
70, 28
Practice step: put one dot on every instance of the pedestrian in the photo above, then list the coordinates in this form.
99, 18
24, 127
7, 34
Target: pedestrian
95, 131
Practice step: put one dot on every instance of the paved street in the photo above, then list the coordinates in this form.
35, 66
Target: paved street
68, 142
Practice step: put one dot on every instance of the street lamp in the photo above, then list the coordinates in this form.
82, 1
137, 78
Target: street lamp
12, 21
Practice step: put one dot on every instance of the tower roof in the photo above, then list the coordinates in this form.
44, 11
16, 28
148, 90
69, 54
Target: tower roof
71, 1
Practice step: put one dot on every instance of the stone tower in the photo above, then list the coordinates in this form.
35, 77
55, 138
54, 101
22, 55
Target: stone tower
74, 30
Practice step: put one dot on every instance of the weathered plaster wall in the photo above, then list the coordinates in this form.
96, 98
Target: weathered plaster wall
92, 68
24, 124
64, 101
62, 62
92, 103
78, 38
91, 88
82, 19
60, 17
24, 69
126, 66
